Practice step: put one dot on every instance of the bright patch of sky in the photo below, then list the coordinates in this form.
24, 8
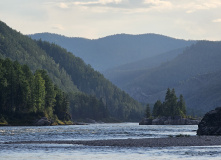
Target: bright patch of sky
184, 19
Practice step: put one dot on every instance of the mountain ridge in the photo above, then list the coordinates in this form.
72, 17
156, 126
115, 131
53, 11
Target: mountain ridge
112, 51
122, 73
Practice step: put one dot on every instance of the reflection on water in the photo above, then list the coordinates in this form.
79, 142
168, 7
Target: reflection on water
98, 131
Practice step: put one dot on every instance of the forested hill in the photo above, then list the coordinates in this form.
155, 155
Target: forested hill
112, 51
26, 51
89, 92
119, 103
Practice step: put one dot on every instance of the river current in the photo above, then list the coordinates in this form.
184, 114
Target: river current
99, 131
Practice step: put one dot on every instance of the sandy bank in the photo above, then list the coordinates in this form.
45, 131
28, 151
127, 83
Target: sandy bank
147, 142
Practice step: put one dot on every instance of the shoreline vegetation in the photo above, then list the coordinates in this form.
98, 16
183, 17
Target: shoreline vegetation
44, 121
145, 142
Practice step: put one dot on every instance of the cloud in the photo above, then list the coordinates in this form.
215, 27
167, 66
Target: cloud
124, 6
98, 2
159, 3
109, 1
216, 20
116, 6
206, 5
57, 27
96, 6
63, 5
97, 18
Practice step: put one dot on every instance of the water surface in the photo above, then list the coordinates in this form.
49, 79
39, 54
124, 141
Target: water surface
99, 131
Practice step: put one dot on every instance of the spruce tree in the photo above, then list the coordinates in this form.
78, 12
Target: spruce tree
39, 92
182, 106
157, 109
174, 110
49, 93
147, 113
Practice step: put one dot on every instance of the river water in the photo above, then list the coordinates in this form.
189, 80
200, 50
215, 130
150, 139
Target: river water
99, 131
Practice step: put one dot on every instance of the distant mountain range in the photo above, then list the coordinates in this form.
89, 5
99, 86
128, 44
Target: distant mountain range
146, 65
112, 51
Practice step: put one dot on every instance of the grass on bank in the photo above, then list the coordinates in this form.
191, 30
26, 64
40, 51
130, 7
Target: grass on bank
3, 122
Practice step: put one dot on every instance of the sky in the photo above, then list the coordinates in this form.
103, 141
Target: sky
183, 19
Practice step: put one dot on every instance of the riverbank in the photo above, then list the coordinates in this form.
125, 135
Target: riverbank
146, 142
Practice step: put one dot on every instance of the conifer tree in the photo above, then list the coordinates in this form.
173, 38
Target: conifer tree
39, 92
30, 85
174, 110
182, 106
49, 93
148, 112
157, 109
170, 107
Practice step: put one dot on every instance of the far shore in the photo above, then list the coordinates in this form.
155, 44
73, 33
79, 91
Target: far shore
145, 142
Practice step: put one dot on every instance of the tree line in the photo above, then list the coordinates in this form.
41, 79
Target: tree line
87, 106
172, 106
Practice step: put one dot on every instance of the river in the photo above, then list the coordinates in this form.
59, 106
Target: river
99, 131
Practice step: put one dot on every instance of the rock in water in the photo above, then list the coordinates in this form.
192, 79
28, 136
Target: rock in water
211, 123
146, 121
88, 120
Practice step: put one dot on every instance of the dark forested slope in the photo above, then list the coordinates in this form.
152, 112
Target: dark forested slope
119, 103
112, 51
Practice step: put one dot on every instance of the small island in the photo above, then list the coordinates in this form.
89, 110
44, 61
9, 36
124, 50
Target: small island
170, 112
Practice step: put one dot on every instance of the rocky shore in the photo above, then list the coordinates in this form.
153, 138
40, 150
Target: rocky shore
211, 123
176, 120
147, 142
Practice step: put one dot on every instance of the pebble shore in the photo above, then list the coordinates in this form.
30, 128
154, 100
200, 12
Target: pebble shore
147, 142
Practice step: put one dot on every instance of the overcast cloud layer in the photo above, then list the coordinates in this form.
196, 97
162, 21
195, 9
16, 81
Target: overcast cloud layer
185, 19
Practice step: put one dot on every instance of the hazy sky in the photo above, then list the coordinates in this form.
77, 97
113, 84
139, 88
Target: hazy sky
186, 19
